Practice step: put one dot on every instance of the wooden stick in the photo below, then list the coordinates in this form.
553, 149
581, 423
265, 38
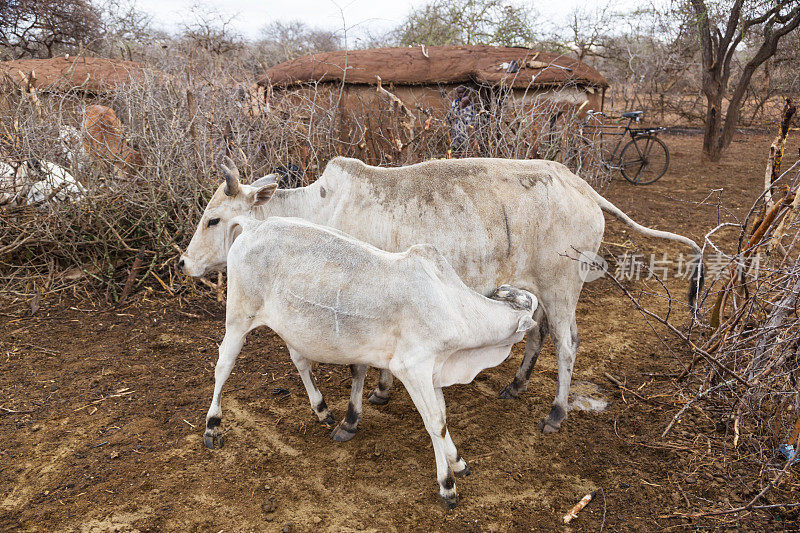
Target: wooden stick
137, 264
573, 513
220, 288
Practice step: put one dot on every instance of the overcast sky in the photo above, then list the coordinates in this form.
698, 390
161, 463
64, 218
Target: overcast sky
359, 15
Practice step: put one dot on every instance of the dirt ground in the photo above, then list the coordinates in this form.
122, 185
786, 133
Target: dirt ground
103, 409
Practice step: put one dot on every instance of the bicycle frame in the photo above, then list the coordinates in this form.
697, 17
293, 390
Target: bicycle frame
603, 129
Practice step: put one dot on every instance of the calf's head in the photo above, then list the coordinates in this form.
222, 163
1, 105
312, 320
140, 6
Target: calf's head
208, 249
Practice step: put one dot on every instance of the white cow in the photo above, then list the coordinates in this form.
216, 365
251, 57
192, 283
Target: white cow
11, 182
52, 181
497, 221
335, 299
36, 181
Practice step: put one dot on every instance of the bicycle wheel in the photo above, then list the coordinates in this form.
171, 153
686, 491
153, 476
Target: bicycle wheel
644, 159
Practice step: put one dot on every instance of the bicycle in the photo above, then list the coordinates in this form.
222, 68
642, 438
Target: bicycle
644, 159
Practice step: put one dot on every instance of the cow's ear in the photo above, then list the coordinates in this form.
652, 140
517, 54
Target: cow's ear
263, 194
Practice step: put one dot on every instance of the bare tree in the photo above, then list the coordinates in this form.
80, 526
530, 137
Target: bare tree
35, 28
126, 28
286, 41
212, 31
722, 27
454, 22
589, 30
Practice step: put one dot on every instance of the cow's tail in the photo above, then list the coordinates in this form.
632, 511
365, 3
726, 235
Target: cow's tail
698, 270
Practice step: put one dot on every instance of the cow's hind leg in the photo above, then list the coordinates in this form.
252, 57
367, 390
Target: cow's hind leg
347, 428
314, 395
228, 352
565, 337
534, 340
380, 396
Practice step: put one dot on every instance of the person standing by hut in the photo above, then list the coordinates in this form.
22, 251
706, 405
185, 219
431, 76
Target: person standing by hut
462, 119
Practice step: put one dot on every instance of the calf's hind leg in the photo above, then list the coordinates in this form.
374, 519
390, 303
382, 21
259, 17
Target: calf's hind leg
318, 404
457, 464
417, 378
228, 352
380, 396
346, 429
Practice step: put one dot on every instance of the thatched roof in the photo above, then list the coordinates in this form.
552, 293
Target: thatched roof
91, 74
491, 65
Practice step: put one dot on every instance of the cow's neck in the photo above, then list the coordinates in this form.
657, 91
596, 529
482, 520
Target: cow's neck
303, 202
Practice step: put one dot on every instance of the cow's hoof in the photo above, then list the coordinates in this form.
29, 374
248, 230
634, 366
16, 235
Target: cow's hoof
548, 426
449, 502
213, 441
509, 393
328, 421
376, 399
463, 473
343, 434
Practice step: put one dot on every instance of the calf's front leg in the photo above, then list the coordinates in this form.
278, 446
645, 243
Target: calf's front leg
228, 352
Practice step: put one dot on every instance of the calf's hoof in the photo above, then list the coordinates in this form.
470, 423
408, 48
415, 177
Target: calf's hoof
329, 421
463, 473
342, 433
377, 399
213, 441
510, 392
449, 502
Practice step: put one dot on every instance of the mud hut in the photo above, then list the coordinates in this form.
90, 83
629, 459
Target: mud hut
387, 99
91, 75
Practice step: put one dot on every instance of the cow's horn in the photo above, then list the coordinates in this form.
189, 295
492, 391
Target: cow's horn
231, 174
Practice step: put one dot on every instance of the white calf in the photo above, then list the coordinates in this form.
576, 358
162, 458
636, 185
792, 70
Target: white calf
335, 299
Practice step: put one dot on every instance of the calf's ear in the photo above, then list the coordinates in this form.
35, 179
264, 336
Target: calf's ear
264, 193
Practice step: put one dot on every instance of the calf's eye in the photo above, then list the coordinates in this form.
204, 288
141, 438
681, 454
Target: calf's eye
213, 222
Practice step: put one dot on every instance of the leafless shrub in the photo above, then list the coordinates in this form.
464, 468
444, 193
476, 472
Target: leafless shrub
744, 368
183, 119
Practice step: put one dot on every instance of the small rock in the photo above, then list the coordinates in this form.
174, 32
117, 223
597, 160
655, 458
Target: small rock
270, 505
267, 487
268, 518
287, 527
317, 520
114, 454
691, 479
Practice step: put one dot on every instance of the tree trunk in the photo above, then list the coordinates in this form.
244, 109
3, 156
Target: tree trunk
713, 132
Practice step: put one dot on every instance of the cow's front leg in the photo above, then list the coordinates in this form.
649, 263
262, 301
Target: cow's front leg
347, 428
318, 404
228, 352
380, 396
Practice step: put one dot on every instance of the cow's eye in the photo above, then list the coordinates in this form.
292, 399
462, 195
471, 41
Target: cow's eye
213, 222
